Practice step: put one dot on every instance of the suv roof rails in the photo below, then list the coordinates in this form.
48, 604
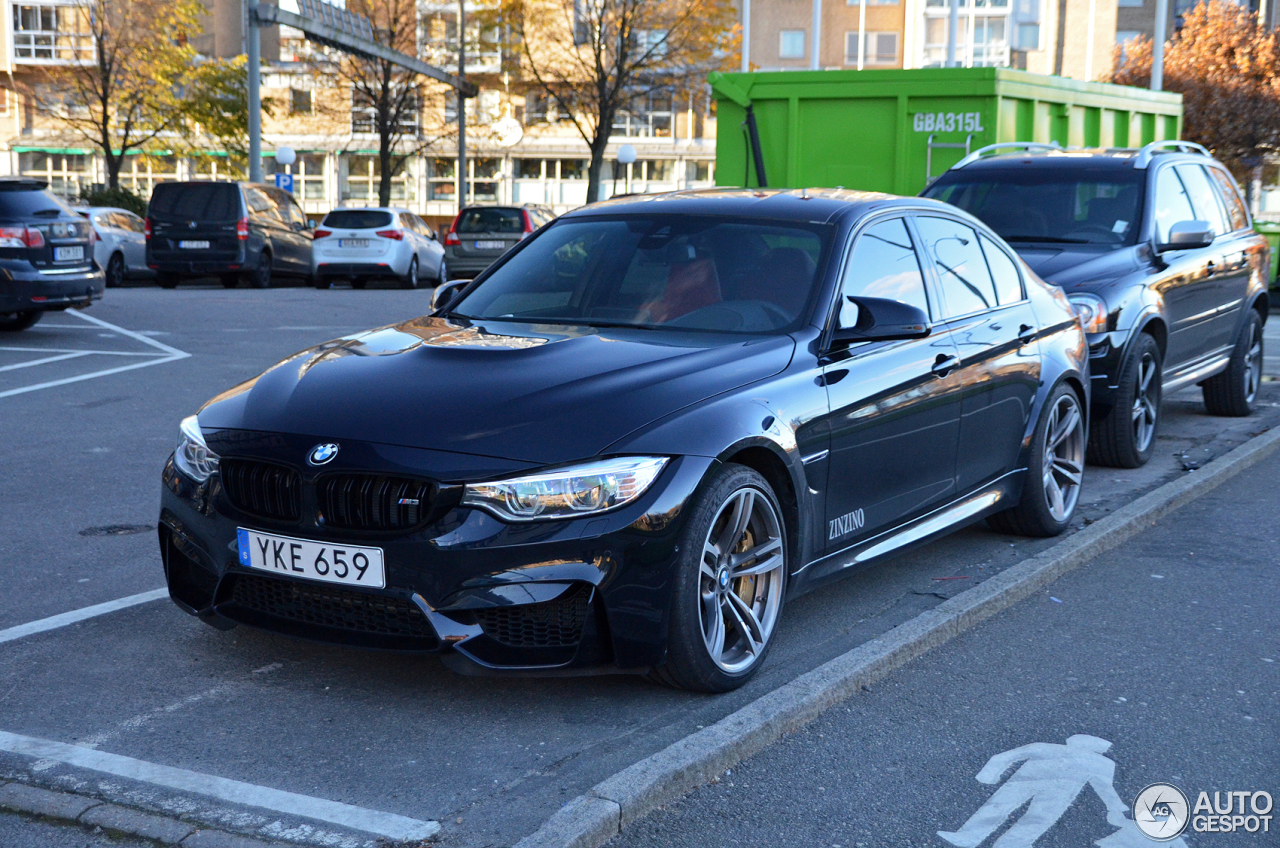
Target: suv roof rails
1143, 159
1005, 147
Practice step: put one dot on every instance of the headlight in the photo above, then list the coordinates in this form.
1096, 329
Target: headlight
192, 456
1092, 311
567, 492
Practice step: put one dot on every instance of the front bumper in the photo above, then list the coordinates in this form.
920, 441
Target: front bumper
385, 268
23, 287
555, 596
1106, 358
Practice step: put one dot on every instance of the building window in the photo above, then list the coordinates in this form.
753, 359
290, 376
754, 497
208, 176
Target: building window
362, 175
364, 117
791, 44
442, 179
300, 101
527, 169
67, 174
872, 2
52, 33
650, 116
1028, 37
986, 45
880, 48
140, 173
308, 175
698, 171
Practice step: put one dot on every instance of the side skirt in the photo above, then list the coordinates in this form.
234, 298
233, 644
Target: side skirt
996, 496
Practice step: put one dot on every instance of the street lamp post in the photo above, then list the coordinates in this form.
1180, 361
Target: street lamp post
953, 32
252, 47
1157, 46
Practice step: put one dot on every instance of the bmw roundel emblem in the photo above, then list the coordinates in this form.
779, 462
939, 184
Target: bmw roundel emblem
321, 454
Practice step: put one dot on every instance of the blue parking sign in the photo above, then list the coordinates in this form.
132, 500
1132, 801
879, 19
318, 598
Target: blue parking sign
285, 181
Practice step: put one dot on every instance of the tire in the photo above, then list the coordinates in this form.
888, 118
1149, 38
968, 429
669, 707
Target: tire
260, 278
441, 273
1055, 470
166, 281
114, 273
321, 283
359, 284
16, 322
1234, 390
707, 590
1126, 437
410, 279
230, 281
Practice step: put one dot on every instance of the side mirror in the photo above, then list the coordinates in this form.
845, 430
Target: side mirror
868, 319
1187, 235
445, 293
311, 225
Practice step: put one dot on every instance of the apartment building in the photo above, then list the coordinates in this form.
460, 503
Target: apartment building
1071, 38
337, 162
1138, 17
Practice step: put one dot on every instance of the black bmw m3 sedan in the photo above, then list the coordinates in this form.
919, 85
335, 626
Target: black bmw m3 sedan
633, 438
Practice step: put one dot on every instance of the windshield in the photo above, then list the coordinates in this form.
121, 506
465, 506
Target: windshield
662, 271
358, 219
1073, 206
490, 219
195, 202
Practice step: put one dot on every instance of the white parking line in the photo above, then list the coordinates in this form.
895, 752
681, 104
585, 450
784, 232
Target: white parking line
389, 825
167, 354
72, 355
53, 622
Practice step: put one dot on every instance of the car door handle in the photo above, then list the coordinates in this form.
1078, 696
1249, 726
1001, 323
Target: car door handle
945, 364
1026, 334
1210, 269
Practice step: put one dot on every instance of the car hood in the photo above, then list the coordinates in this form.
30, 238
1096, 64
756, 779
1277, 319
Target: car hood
516, 391
1075, 266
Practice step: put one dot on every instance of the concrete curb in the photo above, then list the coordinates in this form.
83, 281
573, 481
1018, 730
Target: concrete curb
120, 821
592, 819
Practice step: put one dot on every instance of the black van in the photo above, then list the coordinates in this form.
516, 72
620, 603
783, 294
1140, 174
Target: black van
233, 231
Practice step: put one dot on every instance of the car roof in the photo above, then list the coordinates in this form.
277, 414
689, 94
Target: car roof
1118, 158
807, 205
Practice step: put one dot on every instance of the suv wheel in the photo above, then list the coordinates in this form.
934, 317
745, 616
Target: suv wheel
261, 276
1054, 472
230, 281
115, 271
1233, 391
167, 281
730, 583
13, 322
410, 280
1126, 437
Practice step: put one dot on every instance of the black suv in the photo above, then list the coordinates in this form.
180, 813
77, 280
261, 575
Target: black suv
229, 230
1155, 249
46, 255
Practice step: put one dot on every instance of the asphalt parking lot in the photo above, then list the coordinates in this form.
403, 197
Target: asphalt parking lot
90, 404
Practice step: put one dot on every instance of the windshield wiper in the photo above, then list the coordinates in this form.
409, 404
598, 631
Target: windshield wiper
54, 212
1053, 239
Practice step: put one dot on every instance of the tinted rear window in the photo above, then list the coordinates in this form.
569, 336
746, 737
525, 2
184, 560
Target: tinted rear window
490, 220
195, 201
357, 219
26, 200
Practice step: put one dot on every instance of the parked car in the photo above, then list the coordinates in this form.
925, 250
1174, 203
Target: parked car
120, 243
1156, 250
46, 259
380, 243
480, 234
234, 231
626, 444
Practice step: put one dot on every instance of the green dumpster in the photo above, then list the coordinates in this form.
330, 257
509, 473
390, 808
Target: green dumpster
893, 130
1271, 229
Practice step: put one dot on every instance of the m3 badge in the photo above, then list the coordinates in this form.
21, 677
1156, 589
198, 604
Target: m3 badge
848, 523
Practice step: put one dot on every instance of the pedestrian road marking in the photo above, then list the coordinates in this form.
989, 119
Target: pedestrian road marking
390, 825
1047, 781
53, 622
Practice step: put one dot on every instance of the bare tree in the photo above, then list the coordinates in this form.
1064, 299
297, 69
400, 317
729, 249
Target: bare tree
126, 61
594, 58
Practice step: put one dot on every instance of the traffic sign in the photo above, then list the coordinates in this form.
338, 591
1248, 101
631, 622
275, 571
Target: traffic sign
285, 181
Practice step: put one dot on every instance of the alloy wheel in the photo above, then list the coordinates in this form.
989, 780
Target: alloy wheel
115, 271
1252, 363
741, 579
1064, 457
1145, 407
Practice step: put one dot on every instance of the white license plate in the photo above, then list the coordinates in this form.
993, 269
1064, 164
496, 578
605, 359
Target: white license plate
350, 565
67, 254
353, 242
194, 245
490, 245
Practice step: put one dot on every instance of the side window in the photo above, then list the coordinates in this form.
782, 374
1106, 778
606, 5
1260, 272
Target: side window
261, 204
132, 222
962, 269
883, 264
1204, 198
1231, 196
296, 214
1172, 203
1004, 271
